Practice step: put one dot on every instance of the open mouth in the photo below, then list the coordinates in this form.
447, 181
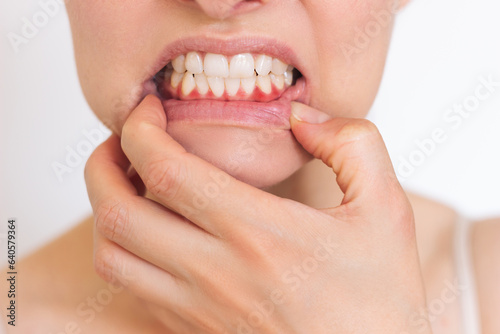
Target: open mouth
245, 89
242, 77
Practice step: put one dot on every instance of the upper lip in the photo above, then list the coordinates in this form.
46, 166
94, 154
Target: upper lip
229, 46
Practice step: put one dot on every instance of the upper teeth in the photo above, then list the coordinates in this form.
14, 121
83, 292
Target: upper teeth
216, 72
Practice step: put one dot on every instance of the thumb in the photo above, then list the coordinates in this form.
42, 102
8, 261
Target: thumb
354, 149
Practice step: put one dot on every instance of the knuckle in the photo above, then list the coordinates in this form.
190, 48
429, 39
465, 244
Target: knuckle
164, 178
404, 218
353, 137
400, 219
112, 219
352, 133
264, 244
262, 249
357, 129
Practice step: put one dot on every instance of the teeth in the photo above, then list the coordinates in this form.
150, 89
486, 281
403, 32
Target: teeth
288, 76
232, 86
263, 65
201, 83
216, 85
188, 83
216, 74
178, 64
216, 66
278, 67
194, 63
242, 66
264, 83
248, 84
176, 79
278, 80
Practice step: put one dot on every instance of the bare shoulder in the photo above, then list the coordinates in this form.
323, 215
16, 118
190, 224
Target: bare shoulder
59, 292
485, 239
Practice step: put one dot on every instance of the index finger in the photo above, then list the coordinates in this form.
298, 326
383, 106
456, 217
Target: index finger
181, 181
110, 154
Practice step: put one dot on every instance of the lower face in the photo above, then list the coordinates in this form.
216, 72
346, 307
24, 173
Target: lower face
226, 84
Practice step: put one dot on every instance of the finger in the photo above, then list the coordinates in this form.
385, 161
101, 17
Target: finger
140, 225
354, 149
136, 181
122, 268
182, 181
110, 158
175, 297
157, 235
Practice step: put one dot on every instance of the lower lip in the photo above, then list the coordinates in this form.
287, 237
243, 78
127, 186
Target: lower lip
249, 114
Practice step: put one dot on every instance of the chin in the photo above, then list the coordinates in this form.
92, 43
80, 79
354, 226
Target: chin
259, 157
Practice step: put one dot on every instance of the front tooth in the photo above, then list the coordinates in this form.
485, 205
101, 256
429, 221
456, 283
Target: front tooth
188, 84
194, 63
248, 84
279, 67
178, 64
176, 79
278, 80
288, 78
264, 83
263, 64
201, 83
232, 86
216, 66
216, 85
242, 66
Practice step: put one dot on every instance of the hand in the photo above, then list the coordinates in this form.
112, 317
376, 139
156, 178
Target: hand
248, 261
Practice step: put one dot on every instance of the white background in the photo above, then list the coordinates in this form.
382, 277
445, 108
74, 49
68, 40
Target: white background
439, 51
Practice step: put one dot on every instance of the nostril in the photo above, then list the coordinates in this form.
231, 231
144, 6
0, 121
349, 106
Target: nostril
247, 5
222, 9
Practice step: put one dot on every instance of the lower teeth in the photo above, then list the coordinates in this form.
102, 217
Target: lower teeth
189, 82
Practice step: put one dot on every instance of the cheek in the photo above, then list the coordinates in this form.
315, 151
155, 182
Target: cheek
109, 47
354, 39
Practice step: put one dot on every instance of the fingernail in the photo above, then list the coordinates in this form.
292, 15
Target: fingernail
307, 114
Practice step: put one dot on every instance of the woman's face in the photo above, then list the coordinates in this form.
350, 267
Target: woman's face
221, 70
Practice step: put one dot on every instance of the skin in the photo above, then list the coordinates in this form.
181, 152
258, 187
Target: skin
193, 269
136, 35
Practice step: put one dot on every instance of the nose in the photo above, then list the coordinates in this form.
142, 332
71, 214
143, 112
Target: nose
221, 9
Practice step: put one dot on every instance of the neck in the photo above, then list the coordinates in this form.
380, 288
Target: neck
313, 185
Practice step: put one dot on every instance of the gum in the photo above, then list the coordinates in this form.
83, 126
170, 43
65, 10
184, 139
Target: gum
167, 91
